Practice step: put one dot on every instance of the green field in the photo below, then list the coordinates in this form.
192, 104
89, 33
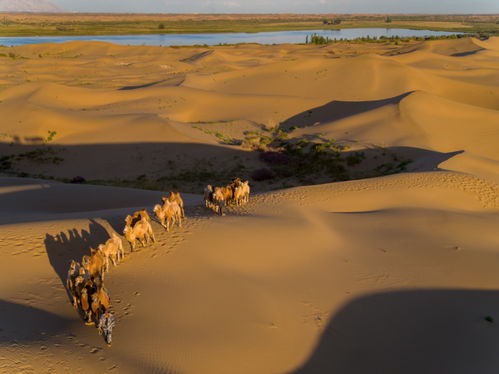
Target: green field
67, 24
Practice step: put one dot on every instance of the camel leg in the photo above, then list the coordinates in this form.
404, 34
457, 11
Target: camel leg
88, 318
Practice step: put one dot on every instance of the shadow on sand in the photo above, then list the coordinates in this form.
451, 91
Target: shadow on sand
336, 110
415, 331
21, 323
64, 247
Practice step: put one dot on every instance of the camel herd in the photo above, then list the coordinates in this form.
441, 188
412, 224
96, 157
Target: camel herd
85, 280
85, 283
237, 192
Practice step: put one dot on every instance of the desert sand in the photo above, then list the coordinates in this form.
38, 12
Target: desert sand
390, 274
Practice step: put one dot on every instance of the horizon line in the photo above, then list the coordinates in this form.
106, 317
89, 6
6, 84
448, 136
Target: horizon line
249, 14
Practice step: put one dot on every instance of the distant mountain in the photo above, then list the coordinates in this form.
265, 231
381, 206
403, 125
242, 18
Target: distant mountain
28, 6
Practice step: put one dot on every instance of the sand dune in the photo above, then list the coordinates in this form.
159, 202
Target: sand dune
390, 274
203, 300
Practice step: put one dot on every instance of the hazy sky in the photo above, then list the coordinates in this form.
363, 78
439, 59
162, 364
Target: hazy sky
281, 6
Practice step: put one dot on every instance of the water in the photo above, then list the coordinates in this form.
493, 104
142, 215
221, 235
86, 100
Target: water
274, 37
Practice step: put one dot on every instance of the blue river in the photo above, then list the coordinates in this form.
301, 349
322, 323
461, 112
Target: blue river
274, 37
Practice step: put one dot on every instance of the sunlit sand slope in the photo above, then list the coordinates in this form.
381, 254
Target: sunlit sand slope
296, 273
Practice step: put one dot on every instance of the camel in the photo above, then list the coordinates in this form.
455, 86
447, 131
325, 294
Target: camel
90, 288
112, 250
171, 213
95, 263
72, 274
208, 196
228, 193
78, 285
239, 195
175, 197
219, 200
85, 306
142, 231
241, 192
100, 302
131, 220
246, 189
161, 215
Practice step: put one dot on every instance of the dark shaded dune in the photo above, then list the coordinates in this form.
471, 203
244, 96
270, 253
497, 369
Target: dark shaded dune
145, 85
186, 167
170, 82
336, 110
25, 324
467, 53
140, 365
455, 48
413, 331
406, 49
78, 198
423, 159
196, 57
181, 161
127, 160
34, 200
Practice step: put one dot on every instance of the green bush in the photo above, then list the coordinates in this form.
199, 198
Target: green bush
355, 158
319, 39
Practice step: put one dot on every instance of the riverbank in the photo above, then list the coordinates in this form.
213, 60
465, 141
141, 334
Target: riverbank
66, 24
263, 38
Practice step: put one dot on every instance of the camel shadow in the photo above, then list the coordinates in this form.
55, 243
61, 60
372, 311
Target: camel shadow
64, 247
413, 331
